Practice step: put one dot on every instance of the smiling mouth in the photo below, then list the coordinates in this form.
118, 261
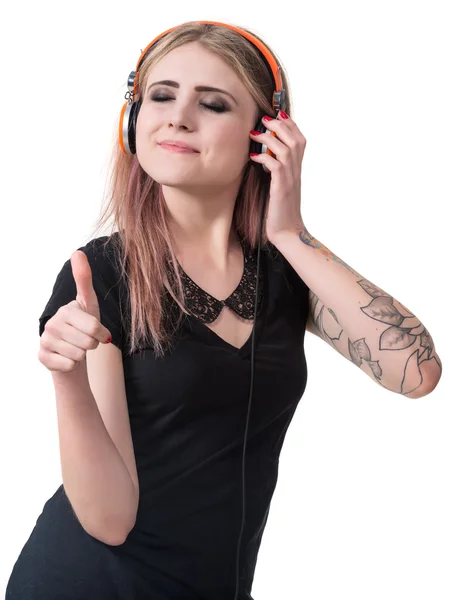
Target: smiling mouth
172, 148
177, 149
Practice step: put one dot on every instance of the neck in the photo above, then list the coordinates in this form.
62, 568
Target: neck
201, 224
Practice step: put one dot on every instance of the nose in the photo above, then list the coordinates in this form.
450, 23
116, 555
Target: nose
180, 117
178, 124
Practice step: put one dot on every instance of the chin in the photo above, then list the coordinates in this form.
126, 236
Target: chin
174, 179
167, 173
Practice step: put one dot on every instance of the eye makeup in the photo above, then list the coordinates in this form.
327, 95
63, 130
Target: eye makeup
218, 108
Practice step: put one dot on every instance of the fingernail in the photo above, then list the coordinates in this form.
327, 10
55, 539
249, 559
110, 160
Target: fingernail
254, 154
267, 118
254, 132
109, 340
283, 114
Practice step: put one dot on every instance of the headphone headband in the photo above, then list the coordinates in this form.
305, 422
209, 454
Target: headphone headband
274, 67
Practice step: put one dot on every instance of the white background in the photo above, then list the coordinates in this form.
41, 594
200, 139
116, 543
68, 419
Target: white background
371, 499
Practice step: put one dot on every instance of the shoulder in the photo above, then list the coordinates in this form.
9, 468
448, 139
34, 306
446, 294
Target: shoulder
280, 264
104, 256
286, 284
102, 253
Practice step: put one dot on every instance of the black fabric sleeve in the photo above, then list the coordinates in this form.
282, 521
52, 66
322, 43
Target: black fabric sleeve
298, 289
105, 283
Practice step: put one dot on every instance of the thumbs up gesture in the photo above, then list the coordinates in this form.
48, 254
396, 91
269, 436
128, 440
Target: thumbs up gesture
76, 327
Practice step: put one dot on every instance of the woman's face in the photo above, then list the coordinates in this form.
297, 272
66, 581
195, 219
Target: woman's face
176, 110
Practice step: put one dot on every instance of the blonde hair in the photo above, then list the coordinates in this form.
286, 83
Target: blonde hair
136, 205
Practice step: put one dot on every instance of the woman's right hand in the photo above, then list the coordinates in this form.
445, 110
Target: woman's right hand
76, 327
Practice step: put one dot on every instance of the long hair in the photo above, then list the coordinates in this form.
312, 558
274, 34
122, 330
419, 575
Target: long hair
136, 204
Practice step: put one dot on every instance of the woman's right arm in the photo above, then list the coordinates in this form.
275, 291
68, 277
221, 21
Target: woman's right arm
95, 477
96, 451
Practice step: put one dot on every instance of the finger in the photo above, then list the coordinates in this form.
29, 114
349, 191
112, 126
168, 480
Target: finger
269, 163
272, 142
79, 332
285, 129
55, 362
77, 327
82, 275
66, 349
281, 125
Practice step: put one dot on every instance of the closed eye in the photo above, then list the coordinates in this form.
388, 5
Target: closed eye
214, 107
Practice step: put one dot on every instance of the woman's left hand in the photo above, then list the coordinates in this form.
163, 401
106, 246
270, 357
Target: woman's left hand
284, 211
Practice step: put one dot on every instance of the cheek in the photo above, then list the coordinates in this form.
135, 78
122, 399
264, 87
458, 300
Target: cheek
232, 140
143, 126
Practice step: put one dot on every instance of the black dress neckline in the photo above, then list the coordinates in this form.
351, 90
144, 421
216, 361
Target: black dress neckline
207, 308
203, 308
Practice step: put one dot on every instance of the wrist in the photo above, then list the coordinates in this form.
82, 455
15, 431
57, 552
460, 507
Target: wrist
285, 235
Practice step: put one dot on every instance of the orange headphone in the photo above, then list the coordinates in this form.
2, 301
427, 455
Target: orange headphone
130, 110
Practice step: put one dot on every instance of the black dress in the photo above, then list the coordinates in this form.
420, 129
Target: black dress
187, 414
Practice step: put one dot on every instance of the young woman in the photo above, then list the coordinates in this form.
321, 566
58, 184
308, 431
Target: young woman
152, 425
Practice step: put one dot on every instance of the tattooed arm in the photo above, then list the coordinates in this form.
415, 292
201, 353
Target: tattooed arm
361, 321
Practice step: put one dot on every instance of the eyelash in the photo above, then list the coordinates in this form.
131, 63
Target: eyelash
213, 107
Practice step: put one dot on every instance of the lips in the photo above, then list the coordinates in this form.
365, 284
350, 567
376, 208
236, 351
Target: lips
176, 144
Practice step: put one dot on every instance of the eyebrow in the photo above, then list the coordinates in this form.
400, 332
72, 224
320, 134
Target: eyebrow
198, 88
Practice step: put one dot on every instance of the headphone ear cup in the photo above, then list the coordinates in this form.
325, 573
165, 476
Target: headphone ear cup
134, 111
254, 145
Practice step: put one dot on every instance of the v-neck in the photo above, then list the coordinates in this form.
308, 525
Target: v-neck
213, 338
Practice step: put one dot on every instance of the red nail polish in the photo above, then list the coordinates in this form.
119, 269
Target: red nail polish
283, 114
254, 154
267, 118
254, 132
109, 340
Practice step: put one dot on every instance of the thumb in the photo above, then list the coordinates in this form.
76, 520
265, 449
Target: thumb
82, 275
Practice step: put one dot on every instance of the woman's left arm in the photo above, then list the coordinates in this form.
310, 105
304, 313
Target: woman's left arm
360, 320
366, 324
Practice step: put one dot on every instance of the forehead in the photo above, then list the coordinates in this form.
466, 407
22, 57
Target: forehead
193, 62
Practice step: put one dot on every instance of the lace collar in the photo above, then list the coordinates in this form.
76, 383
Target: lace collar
242, 300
